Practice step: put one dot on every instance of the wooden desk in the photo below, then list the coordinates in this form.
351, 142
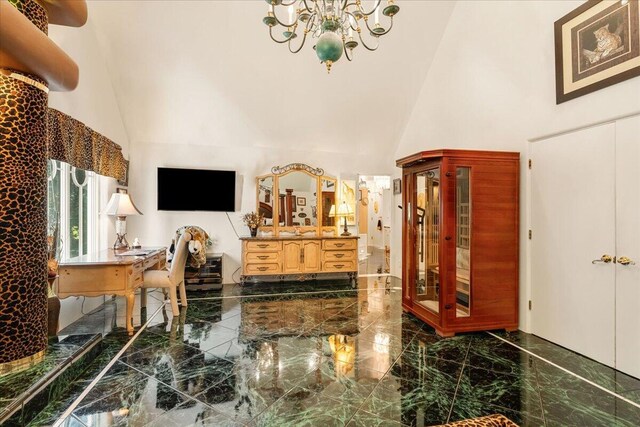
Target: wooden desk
107, 273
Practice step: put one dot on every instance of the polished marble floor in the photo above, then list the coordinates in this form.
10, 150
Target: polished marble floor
327, 354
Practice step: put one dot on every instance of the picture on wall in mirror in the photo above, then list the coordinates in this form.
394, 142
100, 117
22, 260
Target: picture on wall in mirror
397, 186
302, 201
597, 45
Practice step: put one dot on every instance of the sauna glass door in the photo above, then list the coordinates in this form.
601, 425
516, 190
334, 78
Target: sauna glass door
427, 233
463, 241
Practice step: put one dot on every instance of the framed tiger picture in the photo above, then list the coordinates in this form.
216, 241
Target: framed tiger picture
596, 45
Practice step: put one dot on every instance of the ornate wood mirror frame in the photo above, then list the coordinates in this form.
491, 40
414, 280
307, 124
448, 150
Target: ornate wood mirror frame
296, 199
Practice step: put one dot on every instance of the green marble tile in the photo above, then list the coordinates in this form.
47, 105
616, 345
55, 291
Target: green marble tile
198, 334
488, 353
427, 344
192, 414
567, 399
133, 405
589, 369
239, 399
157, 358
366, 419
302, 407
519, 393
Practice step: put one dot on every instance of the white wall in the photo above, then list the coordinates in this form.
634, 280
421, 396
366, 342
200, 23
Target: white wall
93, 103
491, 86
158, 227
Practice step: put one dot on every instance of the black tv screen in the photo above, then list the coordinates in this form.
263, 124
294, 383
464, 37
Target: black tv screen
196, 190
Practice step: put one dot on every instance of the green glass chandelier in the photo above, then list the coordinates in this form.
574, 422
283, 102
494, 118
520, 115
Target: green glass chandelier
337, 25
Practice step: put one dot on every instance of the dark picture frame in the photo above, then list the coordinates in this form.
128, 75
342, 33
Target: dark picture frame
302, 201
596, 45
397, 186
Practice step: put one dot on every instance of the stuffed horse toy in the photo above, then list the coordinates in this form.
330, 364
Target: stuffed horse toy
197, 245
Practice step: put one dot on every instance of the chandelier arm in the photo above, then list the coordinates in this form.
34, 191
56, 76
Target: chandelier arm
304, 39
346, 53
371, 49
290, 4
282, 23
276, 40
372, 10
379, 34
346, 12
306, 6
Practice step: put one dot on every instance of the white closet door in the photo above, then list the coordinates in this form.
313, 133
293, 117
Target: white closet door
628, 245
573, 223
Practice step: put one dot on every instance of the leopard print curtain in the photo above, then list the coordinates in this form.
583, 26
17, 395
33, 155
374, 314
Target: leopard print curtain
71, 141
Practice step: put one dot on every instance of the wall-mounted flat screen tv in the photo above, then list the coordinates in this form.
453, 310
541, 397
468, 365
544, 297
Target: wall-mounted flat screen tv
196, 190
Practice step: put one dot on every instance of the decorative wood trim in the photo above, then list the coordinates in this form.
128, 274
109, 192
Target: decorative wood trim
279, 170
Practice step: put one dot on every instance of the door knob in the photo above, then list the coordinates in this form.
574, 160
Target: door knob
625, 261
604, 258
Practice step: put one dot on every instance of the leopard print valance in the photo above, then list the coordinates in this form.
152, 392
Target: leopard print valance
71, 141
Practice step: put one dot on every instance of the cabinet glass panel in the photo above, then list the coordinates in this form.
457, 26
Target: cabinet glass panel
463, 242
427, 226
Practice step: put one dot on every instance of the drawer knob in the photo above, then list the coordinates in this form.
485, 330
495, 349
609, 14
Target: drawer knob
263, 268
339, 245
263, 245
339, 265
339, 255
263, 256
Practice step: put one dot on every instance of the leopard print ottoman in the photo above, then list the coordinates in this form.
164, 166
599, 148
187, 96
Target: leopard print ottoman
495, 420
23, 218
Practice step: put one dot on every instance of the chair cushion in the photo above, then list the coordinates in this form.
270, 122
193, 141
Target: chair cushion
156, 279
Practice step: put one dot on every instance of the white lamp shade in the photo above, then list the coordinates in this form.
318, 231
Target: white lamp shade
344, 209
121, 204
332, 211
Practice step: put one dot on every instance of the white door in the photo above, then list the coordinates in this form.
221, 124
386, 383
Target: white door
573, 223
628, 245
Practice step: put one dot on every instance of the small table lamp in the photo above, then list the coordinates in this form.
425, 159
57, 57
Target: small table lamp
344, 210
121, 205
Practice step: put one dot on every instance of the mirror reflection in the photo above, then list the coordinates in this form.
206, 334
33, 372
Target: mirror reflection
328, 196
265, 199
297, 200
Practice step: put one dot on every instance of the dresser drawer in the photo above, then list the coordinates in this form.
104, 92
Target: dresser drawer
138, 266
338, 255
137, 279
339, 244
263, 246
149, 262
255, 268
262, 257
330, 266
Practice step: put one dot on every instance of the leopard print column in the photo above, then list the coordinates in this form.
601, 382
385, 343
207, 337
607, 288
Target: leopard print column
23, 209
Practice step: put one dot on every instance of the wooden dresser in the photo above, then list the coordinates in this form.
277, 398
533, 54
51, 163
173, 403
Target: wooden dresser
296, 257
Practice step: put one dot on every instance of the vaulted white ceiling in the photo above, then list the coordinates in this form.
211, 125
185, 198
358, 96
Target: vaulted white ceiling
206, 72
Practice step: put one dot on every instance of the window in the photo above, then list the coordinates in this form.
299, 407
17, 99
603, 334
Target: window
72, 209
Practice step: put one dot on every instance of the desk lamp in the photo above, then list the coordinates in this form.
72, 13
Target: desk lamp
120, 205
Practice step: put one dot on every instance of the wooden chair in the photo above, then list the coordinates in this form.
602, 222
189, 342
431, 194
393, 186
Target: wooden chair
172, 278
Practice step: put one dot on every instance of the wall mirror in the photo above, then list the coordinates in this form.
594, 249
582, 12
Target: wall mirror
296, 200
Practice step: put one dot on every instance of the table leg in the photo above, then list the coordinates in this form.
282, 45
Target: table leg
131, 299
143, 297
